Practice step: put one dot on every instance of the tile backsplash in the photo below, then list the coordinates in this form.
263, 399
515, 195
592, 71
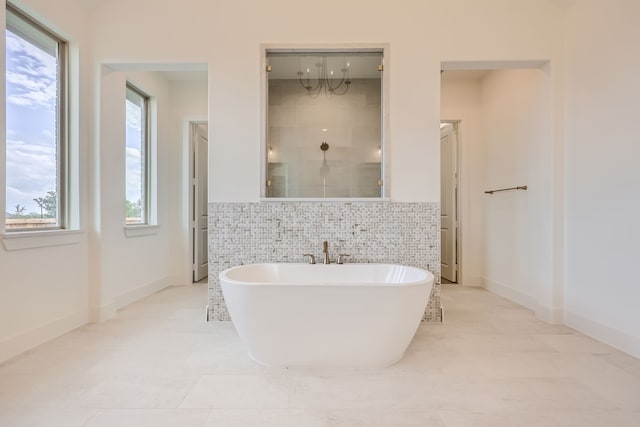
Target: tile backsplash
381, 232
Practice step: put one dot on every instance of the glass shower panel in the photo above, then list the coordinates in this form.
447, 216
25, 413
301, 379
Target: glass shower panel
324, 125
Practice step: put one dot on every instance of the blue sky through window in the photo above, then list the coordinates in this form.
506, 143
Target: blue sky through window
134, 148
31, 102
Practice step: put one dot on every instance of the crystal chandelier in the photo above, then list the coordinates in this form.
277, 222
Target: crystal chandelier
324, 80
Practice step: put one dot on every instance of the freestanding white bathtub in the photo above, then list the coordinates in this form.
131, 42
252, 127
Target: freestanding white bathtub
348, 315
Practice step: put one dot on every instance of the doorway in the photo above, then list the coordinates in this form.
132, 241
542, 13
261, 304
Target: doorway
198, 135
506, 141
449, 141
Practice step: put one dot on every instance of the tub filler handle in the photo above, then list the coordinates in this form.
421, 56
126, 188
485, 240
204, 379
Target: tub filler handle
312, 259
341, 257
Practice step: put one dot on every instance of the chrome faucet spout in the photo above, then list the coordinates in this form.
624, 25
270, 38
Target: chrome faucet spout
325, 249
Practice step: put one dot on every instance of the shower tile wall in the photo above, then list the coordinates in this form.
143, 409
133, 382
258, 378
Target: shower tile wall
382, 232
298, 124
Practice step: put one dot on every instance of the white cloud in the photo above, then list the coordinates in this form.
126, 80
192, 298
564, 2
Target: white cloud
33, 60
134, 174
31, 172
28, 99
31, 164
134, 116
48, 135
31, 74
134, 177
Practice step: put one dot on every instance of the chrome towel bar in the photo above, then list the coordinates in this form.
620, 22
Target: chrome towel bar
522, 187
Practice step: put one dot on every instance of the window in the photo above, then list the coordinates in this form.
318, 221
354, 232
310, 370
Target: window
137, 157
36, 142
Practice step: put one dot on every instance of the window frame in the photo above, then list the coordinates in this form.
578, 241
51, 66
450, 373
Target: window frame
62, 119
146, 153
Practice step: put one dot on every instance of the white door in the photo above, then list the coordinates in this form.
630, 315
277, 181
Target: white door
448, 202
200, 201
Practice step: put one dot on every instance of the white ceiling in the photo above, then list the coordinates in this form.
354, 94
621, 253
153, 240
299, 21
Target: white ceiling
464, 74
171, 71
91, 4
184, 76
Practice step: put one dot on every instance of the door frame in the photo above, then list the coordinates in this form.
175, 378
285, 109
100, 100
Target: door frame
192, 182
457, 125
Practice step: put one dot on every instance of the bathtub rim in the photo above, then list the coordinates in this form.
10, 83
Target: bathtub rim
429, 279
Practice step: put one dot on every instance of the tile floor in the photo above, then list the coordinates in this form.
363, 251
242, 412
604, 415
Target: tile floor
159, 364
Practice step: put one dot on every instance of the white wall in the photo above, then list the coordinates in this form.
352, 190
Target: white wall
131, 267
44, 291
228, 38
602, 174
518, 241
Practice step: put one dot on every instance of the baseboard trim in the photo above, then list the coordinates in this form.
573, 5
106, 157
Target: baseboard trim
554, 316
474, 281
140, 292
110, 310
104, 312
620, 340
26, 340
511, 294
23, 341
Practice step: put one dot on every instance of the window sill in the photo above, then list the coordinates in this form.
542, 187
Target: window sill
18, 240
141, 230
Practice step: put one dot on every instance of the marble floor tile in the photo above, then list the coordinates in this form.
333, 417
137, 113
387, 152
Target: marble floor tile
240, 391
574, 343
266, 418
44, 390
45, 417
384, 418
158, 363
621, 360
610, 382
149, 418
382, 391
137, 391
536, 418
546, 394
360, 392
211, 358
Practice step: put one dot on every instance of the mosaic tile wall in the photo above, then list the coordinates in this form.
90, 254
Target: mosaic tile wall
385, 232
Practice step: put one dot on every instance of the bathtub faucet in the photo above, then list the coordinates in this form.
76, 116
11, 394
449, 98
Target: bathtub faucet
341, 257
325, 249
